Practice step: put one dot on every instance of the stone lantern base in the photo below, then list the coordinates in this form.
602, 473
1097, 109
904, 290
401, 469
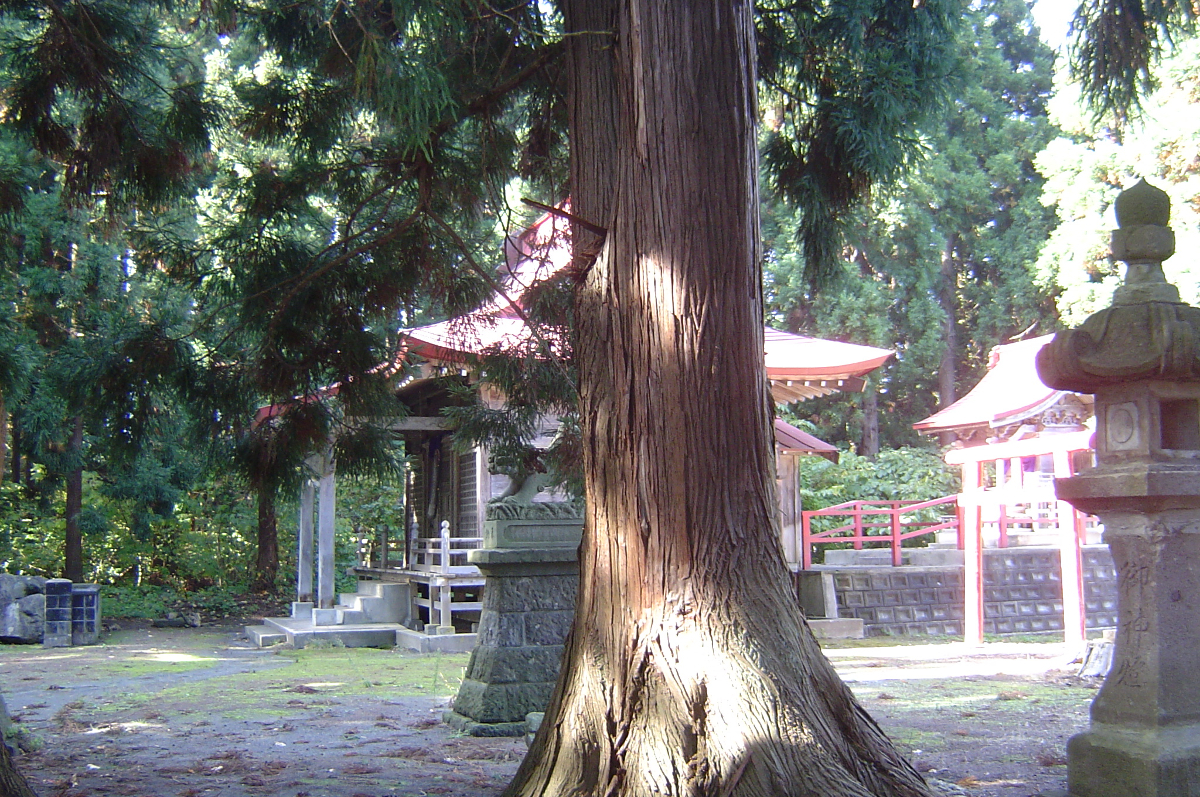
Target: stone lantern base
531, 567
1124, 762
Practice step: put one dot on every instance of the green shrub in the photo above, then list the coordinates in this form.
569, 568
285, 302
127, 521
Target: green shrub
145, 601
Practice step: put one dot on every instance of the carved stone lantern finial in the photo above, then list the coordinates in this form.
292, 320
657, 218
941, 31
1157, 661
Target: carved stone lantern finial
1143, 241
1141, 359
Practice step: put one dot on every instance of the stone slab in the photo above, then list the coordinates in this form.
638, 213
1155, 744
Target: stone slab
265, 636
367, 635
837, 628
470, 727
537, 533
325, 617
407, 639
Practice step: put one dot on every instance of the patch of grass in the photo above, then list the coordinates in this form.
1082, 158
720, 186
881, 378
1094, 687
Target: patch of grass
1046, 638
987, 698
888, 641
915, 739
312, 678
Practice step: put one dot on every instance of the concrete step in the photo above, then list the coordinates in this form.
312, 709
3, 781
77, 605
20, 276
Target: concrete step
301, 632
407, 639
264, 636
381, 601
351, 617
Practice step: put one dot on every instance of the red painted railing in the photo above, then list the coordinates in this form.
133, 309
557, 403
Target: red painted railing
876, 521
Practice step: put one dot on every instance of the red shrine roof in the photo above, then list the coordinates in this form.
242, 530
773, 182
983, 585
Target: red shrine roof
1009, 392
798, 367
791, 440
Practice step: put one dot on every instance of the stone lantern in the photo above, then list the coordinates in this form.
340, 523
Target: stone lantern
1141, 359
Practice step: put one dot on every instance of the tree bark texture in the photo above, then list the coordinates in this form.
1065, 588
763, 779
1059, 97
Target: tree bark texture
870, 422
16, 452
12, 782
73, 554
948, 299
3, 437
690, 669
266, 565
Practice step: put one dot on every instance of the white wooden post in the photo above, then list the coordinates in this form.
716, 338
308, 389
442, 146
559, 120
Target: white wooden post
446, 593
789, 508
304, 555
1071, 561
973, 554
325, 536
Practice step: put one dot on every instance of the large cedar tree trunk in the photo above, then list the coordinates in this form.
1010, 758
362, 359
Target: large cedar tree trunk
73, 568
266, 566
690, 669
12, 782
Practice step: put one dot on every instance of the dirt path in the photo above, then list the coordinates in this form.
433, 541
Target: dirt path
194, 712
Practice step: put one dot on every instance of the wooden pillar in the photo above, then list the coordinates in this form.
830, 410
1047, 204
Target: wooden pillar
789, 508
304, 554
325, 537
972, 554
1074, 611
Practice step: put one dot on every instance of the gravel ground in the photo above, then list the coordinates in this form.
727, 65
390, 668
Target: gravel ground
194, 712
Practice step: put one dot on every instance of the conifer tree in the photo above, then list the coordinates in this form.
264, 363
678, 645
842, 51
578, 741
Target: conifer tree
376, 139
940, 265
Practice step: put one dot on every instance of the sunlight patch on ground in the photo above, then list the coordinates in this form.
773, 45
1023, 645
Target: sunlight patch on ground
165, 656
127, 727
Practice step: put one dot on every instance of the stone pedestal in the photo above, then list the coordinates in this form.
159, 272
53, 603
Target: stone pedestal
528, 606
1145, 733
85, 614
1141, 359
58, 614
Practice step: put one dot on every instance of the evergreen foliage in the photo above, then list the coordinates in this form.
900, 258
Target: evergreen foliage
939, 266
219, 207
1086, 168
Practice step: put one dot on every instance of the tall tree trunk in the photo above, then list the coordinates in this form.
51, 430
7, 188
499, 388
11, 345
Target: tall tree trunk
73, 568
16, 452
690, 669
3, 437
948, 299
266, 566
12, 782
870, 421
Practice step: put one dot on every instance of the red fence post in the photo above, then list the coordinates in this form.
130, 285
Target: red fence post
896, 539
961, 518
1003, 523
805, 543
858, 526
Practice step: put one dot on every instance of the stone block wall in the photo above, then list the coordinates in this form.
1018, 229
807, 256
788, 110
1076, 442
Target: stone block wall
1099, 587
902, 600
1022, 591
1022, 594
